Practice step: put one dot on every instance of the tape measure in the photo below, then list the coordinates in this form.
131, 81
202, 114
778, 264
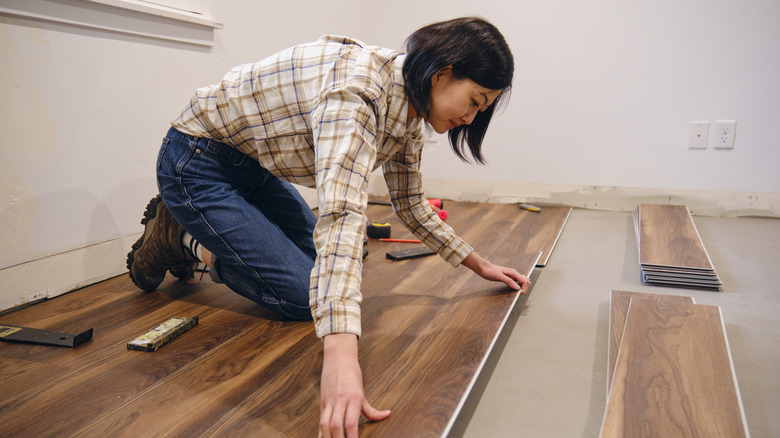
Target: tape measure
377, 230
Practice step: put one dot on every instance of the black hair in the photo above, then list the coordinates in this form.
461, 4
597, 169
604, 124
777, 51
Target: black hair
476, 50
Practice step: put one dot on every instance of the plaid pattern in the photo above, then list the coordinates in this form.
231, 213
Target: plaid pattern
326, 115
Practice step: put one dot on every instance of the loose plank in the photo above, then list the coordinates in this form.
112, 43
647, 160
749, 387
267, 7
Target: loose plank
618, 308
673, 375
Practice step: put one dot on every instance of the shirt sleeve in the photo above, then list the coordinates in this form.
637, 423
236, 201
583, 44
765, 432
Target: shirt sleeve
344, 133
404, 183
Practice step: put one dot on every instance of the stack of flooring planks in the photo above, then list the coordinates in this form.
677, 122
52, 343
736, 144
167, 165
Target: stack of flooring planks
427, 332
670, 370
671, 252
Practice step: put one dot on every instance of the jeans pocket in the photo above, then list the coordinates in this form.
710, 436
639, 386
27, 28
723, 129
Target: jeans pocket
223, 153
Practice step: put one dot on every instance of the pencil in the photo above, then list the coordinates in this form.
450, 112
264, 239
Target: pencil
529, 207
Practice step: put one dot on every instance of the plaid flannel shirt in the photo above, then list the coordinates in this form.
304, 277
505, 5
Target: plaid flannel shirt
326, 115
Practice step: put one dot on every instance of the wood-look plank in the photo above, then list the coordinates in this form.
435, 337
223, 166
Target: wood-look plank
668, 237
438, 369
676, 280
673, 375
618, 308
245, 372
542, 230
402, 298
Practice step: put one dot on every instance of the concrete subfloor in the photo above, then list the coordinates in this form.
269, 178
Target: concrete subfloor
547, 375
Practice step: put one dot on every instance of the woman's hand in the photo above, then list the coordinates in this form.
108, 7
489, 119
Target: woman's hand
492, 272
341, 388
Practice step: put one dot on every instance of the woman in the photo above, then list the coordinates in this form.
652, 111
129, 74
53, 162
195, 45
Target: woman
323, 115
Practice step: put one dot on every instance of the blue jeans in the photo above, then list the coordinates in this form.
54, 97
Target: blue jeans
257, 226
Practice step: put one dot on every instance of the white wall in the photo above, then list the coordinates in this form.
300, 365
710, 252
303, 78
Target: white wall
603, 96
83, 114
605, 91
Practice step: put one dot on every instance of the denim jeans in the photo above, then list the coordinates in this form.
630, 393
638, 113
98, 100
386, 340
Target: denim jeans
257, 226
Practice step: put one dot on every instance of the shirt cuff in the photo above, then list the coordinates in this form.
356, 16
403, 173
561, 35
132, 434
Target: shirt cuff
454, 253
337, 317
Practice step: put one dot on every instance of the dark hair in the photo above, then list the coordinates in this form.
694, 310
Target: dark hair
476, 50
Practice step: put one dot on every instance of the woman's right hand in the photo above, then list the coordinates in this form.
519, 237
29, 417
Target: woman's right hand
341, 389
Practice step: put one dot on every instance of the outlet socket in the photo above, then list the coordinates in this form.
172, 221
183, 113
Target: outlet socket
725, 133
698, 135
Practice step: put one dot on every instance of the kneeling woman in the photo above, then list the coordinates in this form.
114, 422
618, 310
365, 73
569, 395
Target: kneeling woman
323, 115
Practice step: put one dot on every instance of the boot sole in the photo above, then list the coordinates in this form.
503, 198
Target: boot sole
149, 214
181, 272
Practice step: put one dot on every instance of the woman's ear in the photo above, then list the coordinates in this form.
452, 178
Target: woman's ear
444, 72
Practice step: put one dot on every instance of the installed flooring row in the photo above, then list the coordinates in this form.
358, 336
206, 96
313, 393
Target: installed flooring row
427, 329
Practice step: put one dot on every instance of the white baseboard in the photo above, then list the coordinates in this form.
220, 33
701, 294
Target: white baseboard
701, 202
57, 274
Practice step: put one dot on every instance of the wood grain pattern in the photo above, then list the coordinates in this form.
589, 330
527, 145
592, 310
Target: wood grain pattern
243, 371
673, 375
618, 308
542, 230
671, 252
668, 237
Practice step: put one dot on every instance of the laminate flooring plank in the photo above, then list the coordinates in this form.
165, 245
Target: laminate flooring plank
424, 375
683, 273
676, 279
200, 395
673, 375
542, 230
668, 237
427, 384
401, 299
98, 376
618, 307
243, 372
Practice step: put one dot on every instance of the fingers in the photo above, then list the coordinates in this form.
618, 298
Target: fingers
374, 414
352, 419
516, 281
341, 419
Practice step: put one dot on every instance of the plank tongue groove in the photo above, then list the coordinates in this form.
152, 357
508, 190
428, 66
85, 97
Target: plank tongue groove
542, 230
673, 375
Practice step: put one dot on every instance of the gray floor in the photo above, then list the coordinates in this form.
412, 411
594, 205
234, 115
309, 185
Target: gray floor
547, 377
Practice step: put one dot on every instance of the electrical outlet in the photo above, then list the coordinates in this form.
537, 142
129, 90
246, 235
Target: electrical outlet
725, 132
699, 134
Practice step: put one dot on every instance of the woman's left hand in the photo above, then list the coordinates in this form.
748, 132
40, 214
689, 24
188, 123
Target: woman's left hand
493, 272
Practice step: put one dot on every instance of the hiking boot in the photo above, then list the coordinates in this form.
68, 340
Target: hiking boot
159, 249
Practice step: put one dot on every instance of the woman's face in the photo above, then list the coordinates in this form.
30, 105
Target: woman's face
455, 102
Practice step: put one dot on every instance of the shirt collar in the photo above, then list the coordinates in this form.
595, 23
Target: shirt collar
398, 107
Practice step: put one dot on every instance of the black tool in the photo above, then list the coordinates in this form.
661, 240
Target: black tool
411, 253
12, 333
378, 230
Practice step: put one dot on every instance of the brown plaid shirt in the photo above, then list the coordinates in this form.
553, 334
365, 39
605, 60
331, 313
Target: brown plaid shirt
326, 115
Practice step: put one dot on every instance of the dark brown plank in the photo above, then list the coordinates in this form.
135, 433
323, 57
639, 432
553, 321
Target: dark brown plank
401, 300
542, 230
428, 383
618, 308
673, 375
